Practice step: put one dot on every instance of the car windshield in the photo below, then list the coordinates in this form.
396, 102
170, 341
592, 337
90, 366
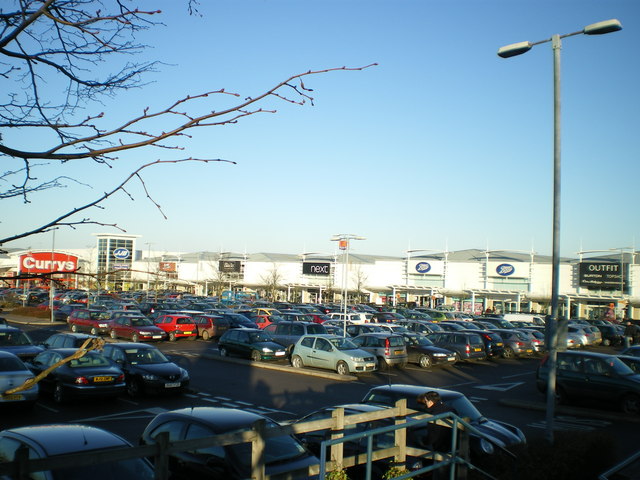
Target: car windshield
141, 322
143, 356
619, 367
14, 339
89, 361
315, 328
277, 449
259, 337
420, 340
343, 344
11, 364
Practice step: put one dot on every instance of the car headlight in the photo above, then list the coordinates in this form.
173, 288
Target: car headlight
440, 354
357, 359
486, 446
267, 350
103, 325
145, 333
149, 377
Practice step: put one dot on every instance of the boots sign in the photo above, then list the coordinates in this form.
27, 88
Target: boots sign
46, 262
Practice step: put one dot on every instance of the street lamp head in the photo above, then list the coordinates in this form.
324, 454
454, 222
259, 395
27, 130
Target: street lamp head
514, 49
601, 28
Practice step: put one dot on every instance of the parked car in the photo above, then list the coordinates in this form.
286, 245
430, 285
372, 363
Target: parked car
287, 333
467, 346
67, 340
493, 344
62, 313
177, 326
211, 326
237, 321
495, 434
351, 317
536, 337
388, 348
91, 375
419, 326
590, 375
15, 341
14, 373
516, 343
633, 351
88, 320
284, 456
253, 343
353, 330
450, 326
425, 353
146, 369
612, 335
331, 352
385, 317
583, 333
135, 328
51, 441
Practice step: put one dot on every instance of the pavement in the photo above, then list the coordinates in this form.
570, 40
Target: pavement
212, 353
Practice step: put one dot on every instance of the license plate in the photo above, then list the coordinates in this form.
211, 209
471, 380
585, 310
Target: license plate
529, 351
370, 365
451, 359
11, 398
280, 354
172, 385
187, 333
399, 352
477, 349
499, 344
102, 379
157, 336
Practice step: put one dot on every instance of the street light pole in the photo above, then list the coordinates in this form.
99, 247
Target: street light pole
512, 50
344, 244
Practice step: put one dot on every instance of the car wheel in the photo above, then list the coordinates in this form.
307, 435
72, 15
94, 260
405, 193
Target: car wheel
135, 338
93, 331
297, 362
113, 334
172, 336
456, 355
606, 342
205, 335
256, 356
342, 368
58, 394
630, 404
74, 328
425, 361
134, 387
223, 352
508, 352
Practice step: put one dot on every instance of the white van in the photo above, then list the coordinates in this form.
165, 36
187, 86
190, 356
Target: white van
524, 318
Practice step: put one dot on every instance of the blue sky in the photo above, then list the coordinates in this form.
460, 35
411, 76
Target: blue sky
442, 145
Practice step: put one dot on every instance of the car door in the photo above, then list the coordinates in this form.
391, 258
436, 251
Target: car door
323, 354
600, 382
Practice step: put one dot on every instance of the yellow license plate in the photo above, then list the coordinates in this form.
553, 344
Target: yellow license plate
102, 379
399, 352
12, 397
499, 344
477, 349
187, 333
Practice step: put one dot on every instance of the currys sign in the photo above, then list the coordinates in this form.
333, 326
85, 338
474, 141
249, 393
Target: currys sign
423, 267
46, 262
121, 253
505, 269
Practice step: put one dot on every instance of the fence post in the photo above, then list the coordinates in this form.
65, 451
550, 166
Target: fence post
257, 450
161, 461
401, 433
463, 452
337, 450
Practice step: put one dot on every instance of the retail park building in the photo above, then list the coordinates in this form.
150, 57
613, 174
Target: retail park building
468, 280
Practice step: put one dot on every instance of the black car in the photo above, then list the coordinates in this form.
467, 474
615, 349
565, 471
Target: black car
16, 341
147, 369
611, 334
466, 345
61, 314
495, 434
284, 456
91, 375
250, 343
51, 441
425, 353
288, 333
594, 376
493, 344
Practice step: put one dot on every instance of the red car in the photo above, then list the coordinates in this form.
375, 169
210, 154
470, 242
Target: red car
87, 320
177, 326
136, 328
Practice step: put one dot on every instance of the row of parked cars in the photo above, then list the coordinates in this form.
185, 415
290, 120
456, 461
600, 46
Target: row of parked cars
116, 368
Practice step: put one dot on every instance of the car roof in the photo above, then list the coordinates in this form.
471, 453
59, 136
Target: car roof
412, 391
60, 439
219, 419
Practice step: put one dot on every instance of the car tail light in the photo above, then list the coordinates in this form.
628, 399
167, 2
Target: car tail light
520, 344
120, 378
81, 381
387, 349
468, 348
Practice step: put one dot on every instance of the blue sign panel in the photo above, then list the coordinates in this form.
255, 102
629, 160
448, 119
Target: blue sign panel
121, 253
423, 267
505, 269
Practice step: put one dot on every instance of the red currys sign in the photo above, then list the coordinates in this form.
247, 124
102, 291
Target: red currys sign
46, 262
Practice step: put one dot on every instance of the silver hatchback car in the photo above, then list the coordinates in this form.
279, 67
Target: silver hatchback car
388, 348
516, 344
